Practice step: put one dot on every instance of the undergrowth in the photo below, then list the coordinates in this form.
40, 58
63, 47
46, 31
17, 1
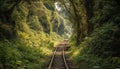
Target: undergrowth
99, 50
16, 55
26, 52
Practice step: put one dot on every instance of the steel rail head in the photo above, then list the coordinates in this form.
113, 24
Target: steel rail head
65, 59
50, 65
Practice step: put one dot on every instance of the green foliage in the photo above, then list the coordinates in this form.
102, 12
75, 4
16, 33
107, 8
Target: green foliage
61, 29
5, 5
34, 23
45, 23
5, 31
17, 54
97, 34
49, 6
31, 23
98, 51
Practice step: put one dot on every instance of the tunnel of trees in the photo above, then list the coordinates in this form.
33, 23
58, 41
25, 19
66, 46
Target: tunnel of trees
29, 30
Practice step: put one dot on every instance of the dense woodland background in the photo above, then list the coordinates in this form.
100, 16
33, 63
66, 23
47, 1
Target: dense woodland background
29, 29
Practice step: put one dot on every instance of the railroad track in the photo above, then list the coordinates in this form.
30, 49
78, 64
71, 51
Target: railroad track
58, 60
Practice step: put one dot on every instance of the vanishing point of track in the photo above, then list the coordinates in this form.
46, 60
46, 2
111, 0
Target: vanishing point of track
58, 60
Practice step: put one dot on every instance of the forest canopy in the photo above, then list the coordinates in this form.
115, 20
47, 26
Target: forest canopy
29, 28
